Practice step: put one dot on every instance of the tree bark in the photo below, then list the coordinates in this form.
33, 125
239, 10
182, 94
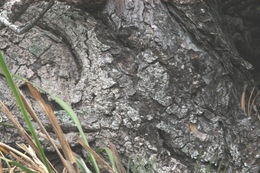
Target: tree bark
160, 79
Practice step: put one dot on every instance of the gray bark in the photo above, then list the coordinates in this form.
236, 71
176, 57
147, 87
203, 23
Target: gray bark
160, 79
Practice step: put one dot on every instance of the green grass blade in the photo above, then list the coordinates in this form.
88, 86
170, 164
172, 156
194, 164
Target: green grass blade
63, 105
220, 166
22, 167
7, 125
70, 113
82, 166
18, 165
110, 157
128, 165
26, 117
74, 117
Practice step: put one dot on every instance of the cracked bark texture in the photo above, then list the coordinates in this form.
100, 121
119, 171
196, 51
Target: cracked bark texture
158, 78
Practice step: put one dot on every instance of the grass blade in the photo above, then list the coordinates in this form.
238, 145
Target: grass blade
46, 134
21, 130
119, 164
98, 158
250, 102
82, 166
220, 166
75, 119
30, 161
243, 100
16, 93
22, 167
70, 113
110, 157
57, 129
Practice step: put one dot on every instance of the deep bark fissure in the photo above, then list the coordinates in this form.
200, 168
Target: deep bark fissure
66, 42
186, 160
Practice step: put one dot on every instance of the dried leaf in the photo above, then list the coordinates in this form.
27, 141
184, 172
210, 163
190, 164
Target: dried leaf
243, 100
194, 130
57, 129
250, 102
21, 130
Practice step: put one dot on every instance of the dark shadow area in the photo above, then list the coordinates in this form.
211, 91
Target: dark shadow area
55, 106
242, 24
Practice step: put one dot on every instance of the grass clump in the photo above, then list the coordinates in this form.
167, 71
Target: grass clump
33, 158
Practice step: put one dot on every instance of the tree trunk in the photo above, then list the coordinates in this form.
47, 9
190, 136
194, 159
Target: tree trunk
160, 79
